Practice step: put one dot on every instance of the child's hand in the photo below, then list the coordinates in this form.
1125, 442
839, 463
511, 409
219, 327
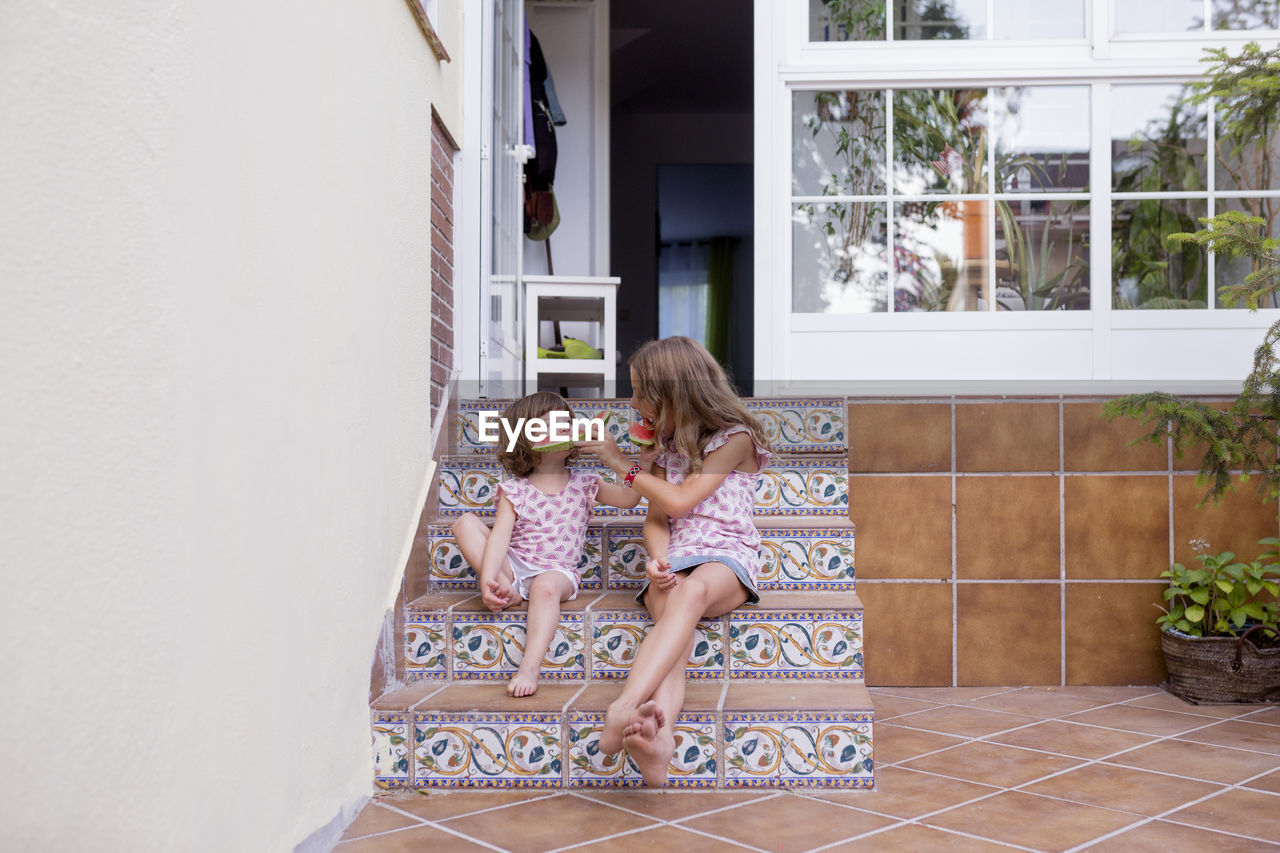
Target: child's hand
660, 574
496, 594
648, 455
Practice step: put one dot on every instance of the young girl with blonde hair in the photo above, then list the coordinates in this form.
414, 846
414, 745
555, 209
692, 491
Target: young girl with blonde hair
539, 532
703, 546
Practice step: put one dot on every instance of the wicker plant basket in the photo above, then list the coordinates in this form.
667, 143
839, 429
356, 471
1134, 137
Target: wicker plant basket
1222, 670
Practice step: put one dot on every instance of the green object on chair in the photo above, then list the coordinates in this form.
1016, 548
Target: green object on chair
575, 348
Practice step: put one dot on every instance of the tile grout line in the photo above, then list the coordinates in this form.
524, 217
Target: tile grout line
955, 597
1062, 544
435, 825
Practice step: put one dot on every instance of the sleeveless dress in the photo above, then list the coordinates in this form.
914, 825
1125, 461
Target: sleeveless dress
550, 532
720, 528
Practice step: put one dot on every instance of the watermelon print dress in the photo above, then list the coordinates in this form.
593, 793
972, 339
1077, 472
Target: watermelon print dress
720, 528
550, 532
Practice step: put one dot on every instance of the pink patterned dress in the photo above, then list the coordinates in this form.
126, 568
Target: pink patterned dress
550, 532
721, 525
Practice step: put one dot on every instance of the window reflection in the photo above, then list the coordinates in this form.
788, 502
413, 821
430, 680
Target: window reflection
839, 261
1042, 138
1158, 16
1145, 271
940, 141
1246, 14
1157, 139
939, 256
838, 143
1231, 272
1042, 255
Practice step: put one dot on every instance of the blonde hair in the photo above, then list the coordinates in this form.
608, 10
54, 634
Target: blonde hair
689, 392
522, 459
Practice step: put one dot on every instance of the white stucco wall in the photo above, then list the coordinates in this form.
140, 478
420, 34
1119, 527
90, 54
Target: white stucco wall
214, 328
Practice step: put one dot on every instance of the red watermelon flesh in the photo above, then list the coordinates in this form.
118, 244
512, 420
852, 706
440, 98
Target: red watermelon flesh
641, 432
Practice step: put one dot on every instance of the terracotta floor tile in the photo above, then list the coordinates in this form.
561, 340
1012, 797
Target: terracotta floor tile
992, 764
1105, 693
1132, 719
1169, 702
895, 743
1266, 783
1270, 716
442, 805
1072, 739
675, 805
1198, 760
1036, 702
1240, 811
374, 818
1123, 788
913, 838
807, 824
1241, 735
888, 707
964, 721
1031, 821
909, 794
409, 841
1161, 837
537, 826
662, 838
943, 694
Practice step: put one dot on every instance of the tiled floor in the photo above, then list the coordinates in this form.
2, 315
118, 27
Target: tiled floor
1033, 768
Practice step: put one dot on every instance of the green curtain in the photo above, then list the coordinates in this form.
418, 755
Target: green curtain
720, 279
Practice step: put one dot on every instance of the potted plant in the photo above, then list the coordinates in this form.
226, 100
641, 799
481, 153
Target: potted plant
1222, 617
1221, 633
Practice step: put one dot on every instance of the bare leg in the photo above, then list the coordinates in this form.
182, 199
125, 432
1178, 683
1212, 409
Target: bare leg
471, 534
545, 594
710, 590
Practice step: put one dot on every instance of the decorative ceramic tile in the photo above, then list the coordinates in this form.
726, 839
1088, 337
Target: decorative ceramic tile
801, 558
450, 570
802, 426
425, 650
490, 646
468, 484
805, 644
798, 748
616, 637
493, 750
627, 557
391, 749
804, 487
468, 424
693, 763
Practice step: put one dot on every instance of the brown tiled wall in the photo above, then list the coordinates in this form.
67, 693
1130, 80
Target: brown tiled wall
442, 154
1020, 541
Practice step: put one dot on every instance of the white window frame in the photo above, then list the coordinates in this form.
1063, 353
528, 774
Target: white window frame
1087, 350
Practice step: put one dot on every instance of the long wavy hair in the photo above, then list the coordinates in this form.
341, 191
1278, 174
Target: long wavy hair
689, 392
522, 459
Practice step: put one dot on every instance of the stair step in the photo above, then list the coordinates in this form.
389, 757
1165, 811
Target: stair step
729, 735
800, 554
789, 635
792, 486
799, 425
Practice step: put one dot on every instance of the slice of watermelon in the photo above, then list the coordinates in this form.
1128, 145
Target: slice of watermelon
548, 445
641, 432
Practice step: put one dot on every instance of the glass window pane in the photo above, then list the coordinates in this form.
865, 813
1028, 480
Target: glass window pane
1042, 138
1246, 14
1145, 271
1248, 147
1158, 16
838, 143
846, 20
940, 140
940, 19
1042, 255
839, 264
1232, 271
1039, 19
1157, 139
939, 255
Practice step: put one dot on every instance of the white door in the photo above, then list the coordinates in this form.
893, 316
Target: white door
502, 344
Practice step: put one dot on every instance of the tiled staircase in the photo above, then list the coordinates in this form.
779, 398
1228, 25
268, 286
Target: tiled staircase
776, 694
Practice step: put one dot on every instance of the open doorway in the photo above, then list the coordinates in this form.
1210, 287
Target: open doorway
681, 153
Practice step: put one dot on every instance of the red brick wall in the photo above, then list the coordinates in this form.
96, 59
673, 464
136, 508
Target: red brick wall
442, 155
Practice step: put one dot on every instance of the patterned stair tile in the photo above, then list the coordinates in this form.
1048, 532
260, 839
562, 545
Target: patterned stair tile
450, 570
473, 737
817, 642
392, 722
694, 763
426, 633
468, 484
813, 735
489, 646
619, 625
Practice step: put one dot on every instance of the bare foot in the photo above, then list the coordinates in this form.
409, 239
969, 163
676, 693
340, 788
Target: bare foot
615, 720
649, 744
523, 683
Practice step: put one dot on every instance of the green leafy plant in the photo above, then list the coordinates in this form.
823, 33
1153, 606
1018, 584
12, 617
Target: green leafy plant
1224, 595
